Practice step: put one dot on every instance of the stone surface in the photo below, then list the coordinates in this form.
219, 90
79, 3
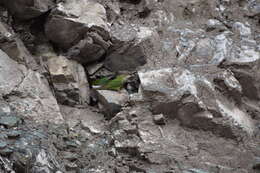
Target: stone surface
90, 121
80, 26
190, 95
131, 47
27, 92
119, 98
159, 119
198, 63
28, 9
10, 121
69, 80
108, 108
15, 48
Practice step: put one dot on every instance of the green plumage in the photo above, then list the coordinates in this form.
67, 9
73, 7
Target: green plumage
115, 84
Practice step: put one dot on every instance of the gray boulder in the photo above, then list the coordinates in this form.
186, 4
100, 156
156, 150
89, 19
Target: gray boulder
196, 97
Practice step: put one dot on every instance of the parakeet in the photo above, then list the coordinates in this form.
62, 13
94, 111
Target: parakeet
114, 84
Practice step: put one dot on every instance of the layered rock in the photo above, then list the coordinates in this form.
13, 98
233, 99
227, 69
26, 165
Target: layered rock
69, 81
192, 95
81, 26
27, 92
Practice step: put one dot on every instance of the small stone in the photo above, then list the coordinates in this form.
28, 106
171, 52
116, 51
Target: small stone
9, 121
72, 144
71, 166
70, 156
195, 171
6, 152
159, 119
257, 164
14, 134
112, 152
3, 144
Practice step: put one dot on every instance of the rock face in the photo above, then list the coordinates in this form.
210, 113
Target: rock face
28, 9
192, 96
14, 47
81, 26
27, 92
129, 86
69, 81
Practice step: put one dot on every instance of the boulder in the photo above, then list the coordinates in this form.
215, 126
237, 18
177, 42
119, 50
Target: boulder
28, 9
131, 47
90, 49
69, 81
80, 26
27, 92
197, 97
113, 97
108, 108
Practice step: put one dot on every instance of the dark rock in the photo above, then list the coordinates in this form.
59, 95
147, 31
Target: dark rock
6, 151
80, 27
15, 48
90, 49
14, 133
257, 164
159, 119
71, 166
28, 9
129, 49
126, 58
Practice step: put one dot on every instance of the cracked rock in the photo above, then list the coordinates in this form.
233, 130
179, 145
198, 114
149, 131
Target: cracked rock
191, 96
81, 27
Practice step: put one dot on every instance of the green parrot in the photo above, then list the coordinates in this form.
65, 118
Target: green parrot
107, 83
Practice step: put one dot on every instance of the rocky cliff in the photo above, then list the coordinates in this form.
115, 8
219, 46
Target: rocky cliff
129, 86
